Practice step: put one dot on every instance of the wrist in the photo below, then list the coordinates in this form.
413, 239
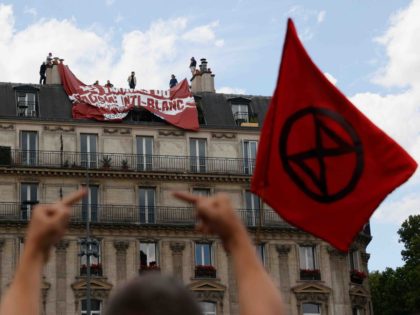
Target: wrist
33, 251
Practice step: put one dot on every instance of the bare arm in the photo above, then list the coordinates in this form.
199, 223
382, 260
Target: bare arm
47, 226
257, 292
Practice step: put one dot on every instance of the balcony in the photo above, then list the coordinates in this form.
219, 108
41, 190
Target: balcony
95, 270
135, 215
124, 162
205, 271
310, 274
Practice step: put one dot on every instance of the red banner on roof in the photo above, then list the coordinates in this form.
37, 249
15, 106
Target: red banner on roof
176, 106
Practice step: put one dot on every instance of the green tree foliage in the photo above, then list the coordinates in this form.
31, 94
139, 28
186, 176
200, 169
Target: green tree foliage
397, 292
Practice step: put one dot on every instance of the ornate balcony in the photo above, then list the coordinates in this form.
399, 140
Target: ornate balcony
135, 215
124, 162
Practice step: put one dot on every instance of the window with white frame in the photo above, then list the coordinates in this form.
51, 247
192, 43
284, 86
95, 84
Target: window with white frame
29, 147
144, 153
249, 148
90, 204
26, 104
253, 207
95, 307
311, 309
354, 259
148, 255
208, 308
240, 113
307, 257
147, 204
88, 149
203, 254
198, 155
28, 199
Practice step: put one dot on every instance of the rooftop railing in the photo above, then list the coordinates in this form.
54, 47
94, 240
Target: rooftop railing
136, 215
125, 162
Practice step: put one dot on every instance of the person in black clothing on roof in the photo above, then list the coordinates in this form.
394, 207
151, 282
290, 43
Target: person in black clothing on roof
132, 80
42, 71
193, 65
173, 81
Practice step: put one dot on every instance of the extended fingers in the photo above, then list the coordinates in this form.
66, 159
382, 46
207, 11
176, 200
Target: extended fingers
74, 197
188, 197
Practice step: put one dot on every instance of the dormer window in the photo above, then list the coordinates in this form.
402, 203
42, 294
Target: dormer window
242, 112
26, 101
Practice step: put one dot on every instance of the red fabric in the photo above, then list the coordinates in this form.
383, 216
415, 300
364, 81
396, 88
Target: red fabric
176, 105
321, 164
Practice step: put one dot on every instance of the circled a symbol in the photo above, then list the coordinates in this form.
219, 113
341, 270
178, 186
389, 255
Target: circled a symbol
329, 138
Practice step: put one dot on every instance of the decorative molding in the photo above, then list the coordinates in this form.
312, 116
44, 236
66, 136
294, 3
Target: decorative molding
45, 287
359, 296
208, 290
336, 253
173, 133
99, 287
121, 131
223, 135
59, 128
61, 246
312, 292
283, 249
7, 126
177, 247
121, 246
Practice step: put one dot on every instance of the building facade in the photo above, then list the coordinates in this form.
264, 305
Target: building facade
130, 169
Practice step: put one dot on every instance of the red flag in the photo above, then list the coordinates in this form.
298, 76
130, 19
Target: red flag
321, 164
176, 105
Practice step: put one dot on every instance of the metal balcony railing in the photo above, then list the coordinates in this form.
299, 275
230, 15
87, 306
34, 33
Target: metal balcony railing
125, 162
135, 215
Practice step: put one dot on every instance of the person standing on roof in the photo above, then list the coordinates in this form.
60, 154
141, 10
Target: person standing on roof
132, 81
173, 81
42, 71
109, 84
193, 65
49, 59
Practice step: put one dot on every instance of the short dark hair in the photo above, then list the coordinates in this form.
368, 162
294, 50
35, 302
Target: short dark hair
153, 294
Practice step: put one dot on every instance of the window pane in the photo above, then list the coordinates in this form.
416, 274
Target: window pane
203, 254
260, 251
201, 191
307, 257
208, 308
148, 254
311, 309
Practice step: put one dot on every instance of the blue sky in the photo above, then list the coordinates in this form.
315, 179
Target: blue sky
368, 48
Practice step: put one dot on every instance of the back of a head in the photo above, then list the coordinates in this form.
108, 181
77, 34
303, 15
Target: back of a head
153, 294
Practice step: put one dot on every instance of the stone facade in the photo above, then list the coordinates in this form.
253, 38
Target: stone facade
121, 230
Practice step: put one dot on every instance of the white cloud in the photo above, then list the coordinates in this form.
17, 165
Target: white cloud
321, 16
230, 90
30, 11
154, 53
204, 34
330, 78
109, 2
398, 114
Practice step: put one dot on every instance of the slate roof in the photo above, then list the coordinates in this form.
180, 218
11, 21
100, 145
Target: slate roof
54, 105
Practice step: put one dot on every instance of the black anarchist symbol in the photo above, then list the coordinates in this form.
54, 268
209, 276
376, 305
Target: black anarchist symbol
321, 119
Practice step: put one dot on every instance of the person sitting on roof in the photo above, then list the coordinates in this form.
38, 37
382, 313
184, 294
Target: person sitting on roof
96, 82
109, 84
173, 81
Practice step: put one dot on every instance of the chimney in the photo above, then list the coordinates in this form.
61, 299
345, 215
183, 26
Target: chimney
53, 76
203, 79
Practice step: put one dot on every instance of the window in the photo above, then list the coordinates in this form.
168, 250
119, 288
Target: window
198, 155
148, 255
94, 250
260, 248
28, 199
88, 143
26, 104
308, 263
90, 204
250, 154
147, 205
201, 191
357, 311
208, 308
253, 206
29, 147
240, 113
311, 309
203, 254
95, 307
144, 153
354, 260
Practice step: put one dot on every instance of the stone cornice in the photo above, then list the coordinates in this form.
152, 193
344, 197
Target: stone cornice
63, 172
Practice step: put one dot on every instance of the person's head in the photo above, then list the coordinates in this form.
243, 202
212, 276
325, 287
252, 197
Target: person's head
172, 76
132, 73
108, 82
50, 54
44, 63
153, 294
192, 58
